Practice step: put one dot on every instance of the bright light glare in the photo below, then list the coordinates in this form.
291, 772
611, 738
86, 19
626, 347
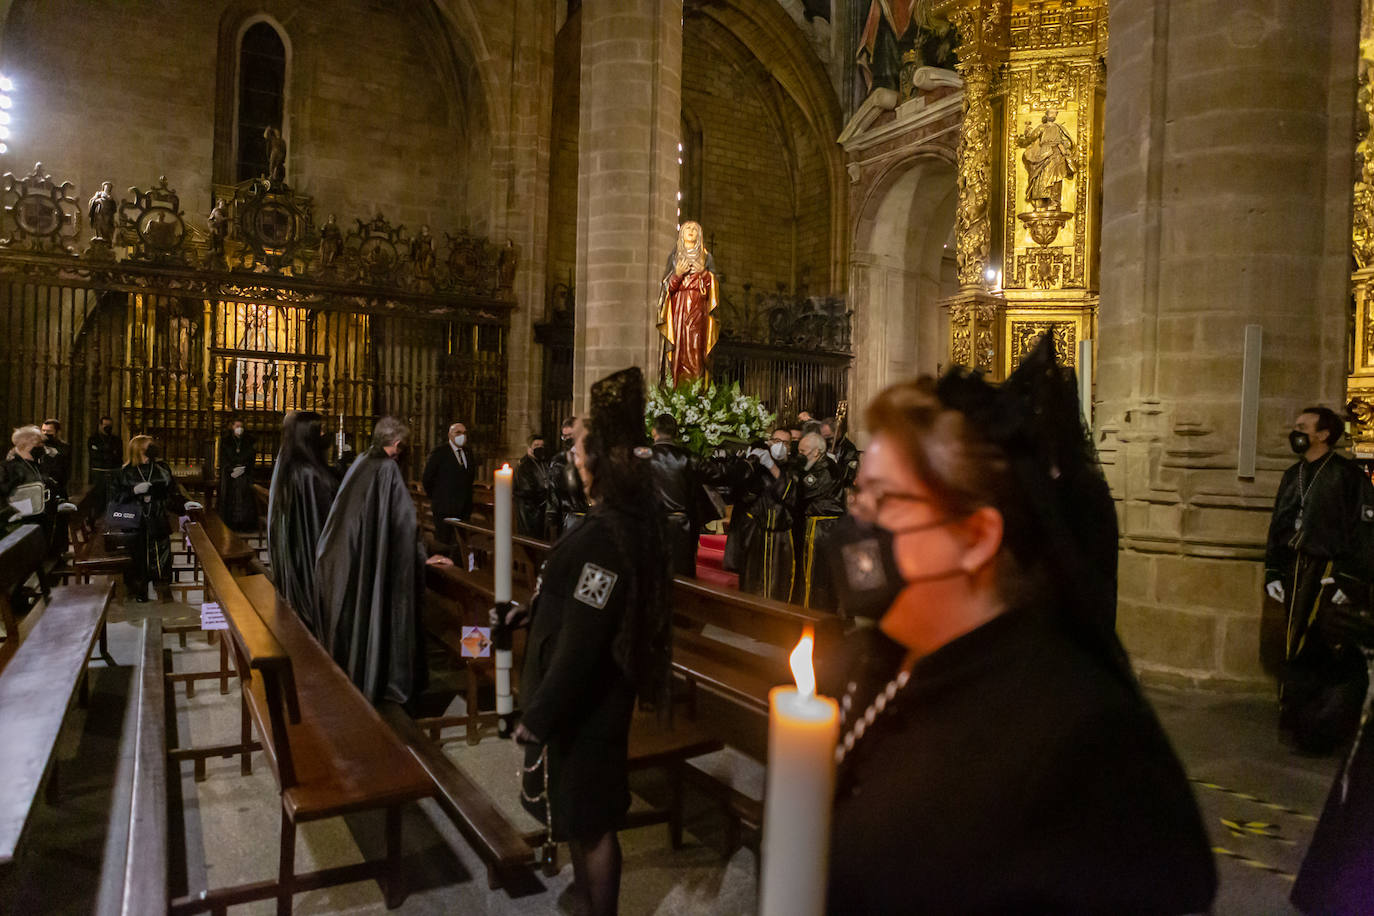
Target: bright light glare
6, 84
4, 149
6, 101
4, 117
4, 133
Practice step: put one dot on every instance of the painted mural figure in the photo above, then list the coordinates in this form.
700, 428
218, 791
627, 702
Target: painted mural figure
686, 301
1048, 157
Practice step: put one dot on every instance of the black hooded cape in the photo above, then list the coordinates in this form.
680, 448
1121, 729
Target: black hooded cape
297, 506
369, 574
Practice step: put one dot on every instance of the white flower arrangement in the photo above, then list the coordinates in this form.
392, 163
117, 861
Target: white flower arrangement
709, 416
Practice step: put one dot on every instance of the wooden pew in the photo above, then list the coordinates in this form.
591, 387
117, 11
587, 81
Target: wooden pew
89, 555
40, 681
138, 882
328, 748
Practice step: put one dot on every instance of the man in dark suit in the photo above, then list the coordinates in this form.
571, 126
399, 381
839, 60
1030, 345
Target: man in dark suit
448, 478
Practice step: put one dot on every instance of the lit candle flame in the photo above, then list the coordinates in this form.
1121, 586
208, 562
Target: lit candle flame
802, 671
505, 469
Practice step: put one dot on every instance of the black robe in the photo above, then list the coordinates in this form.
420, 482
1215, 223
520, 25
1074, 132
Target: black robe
1323, 679
574, 696
369, 575
1015, 773
567, 485
769, 559
534, 500
298, 504
1337, 874
238, 506
821, 506
152, 547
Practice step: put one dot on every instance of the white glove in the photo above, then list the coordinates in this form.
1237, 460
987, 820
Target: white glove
65, 507
52, 452
192, 504
237, 472
766, 460
141, 488
1275, 590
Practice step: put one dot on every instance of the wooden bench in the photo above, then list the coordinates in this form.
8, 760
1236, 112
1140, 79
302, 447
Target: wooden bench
138, 882
44, 674
328, 748
89, 556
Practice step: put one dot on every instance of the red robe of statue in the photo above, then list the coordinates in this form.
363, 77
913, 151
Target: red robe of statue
685, 320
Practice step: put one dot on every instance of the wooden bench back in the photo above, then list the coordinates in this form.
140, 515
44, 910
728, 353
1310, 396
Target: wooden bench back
257, 651
21, 554
774, 622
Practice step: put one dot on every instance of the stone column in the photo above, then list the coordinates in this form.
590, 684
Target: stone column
627, 182
1228, 159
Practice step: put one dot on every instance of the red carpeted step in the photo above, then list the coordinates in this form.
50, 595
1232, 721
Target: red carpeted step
715, 559
712, 541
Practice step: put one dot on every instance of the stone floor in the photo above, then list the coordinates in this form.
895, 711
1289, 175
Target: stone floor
225, 829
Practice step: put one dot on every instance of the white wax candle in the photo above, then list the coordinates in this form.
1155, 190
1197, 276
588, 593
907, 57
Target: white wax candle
802, 731
502, 491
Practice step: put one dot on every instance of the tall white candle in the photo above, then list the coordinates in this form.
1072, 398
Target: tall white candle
502, 491
802, 731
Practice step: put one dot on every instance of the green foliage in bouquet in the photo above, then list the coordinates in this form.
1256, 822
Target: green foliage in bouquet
709, 416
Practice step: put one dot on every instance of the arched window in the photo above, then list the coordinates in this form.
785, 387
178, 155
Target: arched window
261, 97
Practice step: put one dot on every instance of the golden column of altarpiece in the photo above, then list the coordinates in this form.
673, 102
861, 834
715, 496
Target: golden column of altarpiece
1360, 384
1029, 174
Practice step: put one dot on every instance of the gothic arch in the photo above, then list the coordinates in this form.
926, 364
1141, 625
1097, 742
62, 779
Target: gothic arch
898, 272
775, 40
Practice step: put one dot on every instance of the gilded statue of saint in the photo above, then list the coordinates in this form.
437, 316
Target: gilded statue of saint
1048, 158
686, 300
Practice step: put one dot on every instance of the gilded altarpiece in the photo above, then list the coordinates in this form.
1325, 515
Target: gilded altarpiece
1030, 177
1360, 384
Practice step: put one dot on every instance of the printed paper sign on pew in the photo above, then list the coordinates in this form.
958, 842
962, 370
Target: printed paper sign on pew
212, 616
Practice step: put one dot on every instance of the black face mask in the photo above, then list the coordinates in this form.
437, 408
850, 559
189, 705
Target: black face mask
863, 565
151, 452
107, 429
565, 443
1299, 442
48, 438
541, 453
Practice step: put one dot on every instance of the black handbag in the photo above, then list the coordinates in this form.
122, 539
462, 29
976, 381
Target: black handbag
124, 516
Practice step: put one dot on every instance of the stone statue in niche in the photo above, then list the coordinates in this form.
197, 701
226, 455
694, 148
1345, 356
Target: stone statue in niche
1048, 157
505, 266
276, 155
101, 210
686, 301
218, 222
331, 243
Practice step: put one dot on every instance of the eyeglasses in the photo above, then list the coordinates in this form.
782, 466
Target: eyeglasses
871, 499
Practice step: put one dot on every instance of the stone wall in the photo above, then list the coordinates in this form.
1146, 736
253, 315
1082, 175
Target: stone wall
375, 119
1227, 170
764, 195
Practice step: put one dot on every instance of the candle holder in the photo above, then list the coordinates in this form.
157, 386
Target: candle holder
502, 639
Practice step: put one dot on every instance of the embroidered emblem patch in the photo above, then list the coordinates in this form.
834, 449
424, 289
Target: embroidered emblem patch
810, 480
594, 586
1367, 513
863, 565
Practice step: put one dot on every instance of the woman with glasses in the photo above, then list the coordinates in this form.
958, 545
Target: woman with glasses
996, 753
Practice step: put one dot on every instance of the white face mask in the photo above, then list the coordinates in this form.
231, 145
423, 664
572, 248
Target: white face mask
460, 440
778, 450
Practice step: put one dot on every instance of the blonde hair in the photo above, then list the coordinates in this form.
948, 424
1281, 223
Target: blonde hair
136, 449
22, 434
